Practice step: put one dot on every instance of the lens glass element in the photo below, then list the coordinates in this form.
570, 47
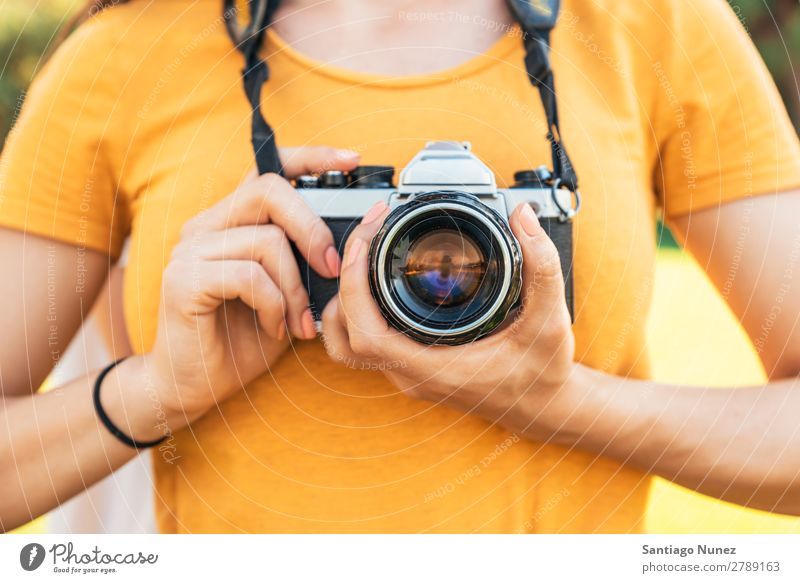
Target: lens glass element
444, 268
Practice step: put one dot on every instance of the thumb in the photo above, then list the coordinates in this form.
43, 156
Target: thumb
542, 278
316, 159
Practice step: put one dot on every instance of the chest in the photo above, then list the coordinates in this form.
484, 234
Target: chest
201, 150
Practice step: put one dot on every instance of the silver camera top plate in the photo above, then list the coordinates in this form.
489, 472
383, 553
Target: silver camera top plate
440, 166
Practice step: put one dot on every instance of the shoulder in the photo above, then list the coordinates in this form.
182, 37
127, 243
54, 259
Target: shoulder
656, 26
641, 39
134, 34
121, 56
651, 14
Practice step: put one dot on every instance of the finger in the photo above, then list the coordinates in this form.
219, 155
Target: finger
312, 160
368, 227
266, 244
271, 199
543, 303
316, 159
335, 338
368, 332
214, 282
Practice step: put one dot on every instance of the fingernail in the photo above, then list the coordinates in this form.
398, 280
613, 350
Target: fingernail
281, 332
332, 260
355, 250
528, 220
307, 322
346, 154
374, 212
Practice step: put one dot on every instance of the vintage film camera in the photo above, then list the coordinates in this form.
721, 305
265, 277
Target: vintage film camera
445, 267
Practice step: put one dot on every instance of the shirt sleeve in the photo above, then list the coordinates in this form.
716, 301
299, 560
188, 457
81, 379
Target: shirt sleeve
56, 177
722, 127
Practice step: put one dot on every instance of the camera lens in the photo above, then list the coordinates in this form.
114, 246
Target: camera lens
444, 268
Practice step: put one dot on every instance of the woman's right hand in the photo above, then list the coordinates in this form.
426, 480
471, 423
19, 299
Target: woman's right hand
232, 287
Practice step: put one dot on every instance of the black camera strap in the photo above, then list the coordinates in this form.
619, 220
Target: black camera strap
536, 18
255, 74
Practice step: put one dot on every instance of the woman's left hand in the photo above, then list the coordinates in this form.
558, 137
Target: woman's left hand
531, 356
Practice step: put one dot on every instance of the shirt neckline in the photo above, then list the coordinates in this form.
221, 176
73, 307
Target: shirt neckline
493, 55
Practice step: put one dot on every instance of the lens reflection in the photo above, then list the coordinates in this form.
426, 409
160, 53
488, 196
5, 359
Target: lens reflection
444, 268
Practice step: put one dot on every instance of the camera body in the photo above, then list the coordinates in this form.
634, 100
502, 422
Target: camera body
445, 267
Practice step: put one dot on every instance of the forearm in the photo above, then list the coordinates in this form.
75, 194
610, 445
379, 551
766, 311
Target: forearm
52, 445
737, 444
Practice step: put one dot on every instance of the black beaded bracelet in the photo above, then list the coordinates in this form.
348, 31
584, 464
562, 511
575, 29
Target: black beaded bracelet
104, 418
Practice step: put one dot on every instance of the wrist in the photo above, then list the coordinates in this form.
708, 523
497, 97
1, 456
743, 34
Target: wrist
131, 396
178, 401
559, 414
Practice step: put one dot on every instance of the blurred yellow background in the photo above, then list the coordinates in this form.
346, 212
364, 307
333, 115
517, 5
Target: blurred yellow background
694, 338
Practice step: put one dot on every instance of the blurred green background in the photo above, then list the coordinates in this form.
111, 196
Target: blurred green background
687, 315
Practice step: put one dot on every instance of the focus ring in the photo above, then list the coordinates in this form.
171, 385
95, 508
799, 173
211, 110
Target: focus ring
468, 210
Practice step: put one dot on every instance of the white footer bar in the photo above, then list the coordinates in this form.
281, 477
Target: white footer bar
400, 558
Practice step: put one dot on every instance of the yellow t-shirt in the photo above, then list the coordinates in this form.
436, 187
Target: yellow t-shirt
139, 122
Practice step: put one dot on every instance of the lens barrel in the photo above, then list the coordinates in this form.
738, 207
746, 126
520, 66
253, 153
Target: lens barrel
445, 268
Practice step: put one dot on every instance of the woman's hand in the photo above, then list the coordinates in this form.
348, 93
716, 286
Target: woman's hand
232, 287
533, 354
